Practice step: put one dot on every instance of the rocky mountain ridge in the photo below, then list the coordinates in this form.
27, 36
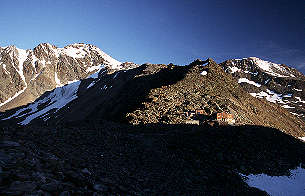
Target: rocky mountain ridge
27, 74
153, 94
121, 130
276, 83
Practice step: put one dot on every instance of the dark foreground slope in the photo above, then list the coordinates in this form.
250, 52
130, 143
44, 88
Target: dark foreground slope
153, 159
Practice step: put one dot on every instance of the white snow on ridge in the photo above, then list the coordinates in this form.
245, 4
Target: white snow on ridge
287, 106
81, 50
34, 59
302, 138
57, 99
4, 67
13, 97
95, 68
57, 80
22, 56
95, 74
298, 115
299, 90
292, 185
270, 96
269, 67
74, 52
299, 99
111, 61
234, 69
241, 80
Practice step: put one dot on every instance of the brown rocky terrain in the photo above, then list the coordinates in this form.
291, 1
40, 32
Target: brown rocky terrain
215, 92
152, 94
115, 159
276, 83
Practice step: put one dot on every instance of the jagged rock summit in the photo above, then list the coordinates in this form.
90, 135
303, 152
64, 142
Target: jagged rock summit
27, 74
277, 83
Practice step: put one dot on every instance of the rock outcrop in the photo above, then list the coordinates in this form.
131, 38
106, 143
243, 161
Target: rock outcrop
274, 82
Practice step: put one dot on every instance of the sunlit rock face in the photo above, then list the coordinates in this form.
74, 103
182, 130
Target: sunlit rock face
27, 74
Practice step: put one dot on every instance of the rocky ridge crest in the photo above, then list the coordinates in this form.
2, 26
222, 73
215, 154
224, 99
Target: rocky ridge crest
27, 74
277, 83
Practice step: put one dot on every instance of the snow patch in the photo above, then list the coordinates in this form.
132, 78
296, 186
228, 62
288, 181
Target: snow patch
204, 73
302, 138
90, 85
4, 67
109, 60
292, 185
287, 106
104, 88
57, 80
249, 72
74, 52
288, 95
13, 97
299, 99
57, 99
241, 80
234, 69
299, 90
95, 74
295, 114
34, 59
268, 80
73, 81
115, 75
22, 56
270, 96
94, 68
270, 67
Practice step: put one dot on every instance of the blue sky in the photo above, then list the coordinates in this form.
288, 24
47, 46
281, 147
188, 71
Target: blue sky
156, 31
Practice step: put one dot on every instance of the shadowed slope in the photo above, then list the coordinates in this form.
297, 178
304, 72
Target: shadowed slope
162, 159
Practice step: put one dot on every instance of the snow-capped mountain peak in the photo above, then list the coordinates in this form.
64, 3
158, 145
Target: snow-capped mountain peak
272, 68
46, 67
277, 83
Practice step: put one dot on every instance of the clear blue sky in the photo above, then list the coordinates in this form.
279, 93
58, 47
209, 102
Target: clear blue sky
162, 31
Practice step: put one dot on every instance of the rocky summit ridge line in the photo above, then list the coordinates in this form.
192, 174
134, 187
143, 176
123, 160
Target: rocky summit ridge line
27, 74
277, 83
154, 94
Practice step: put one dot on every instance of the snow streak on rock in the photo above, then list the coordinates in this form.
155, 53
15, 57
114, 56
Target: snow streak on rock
241, 80
57, 99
